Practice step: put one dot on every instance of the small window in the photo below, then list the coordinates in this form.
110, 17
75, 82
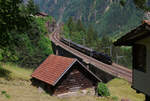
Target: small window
139, 57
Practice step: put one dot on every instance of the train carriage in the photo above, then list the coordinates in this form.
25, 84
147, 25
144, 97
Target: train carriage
90, 52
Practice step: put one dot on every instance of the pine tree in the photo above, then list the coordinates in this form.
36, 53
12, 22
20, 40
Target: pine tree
32, 8
71, 25
79, 26
89, 37
92, 36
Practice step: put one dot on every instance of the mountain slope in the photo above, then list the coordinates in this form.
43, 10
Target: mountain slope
108, 16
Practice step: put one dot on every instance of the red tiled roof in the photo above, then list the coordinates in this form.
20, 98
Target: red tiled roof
52, 69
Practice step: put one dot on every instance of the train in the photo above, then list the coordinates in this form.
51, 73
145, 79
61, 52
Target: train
88, 51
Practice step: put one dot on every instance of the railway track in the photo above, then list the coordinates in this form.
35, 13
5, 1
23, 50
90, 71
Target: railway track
114, 69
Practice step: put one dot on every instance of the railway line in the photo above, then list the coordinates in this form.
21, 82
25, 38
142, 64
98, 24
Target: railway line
114, 69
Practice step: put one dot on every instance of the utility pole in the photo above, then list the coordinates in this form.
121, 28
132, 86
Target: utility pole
117, 58
83, 40
69, 39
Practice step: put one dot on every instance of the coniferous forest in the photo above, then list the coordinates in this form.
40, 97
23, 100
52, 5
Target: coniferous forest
98, 23
87, 36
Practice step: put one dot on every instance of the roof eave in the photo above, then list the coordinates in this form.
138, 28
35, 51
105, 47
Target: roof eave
75, 60
125, 40
90, 71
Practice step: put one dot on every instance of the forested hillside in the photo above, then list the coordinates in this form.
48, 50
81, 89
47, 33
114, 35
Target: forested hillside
23, 38
97, 23
107, 16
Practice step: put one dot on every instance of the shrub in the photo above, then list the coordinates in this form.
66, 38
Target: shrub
102, 89
5, 94
115, 98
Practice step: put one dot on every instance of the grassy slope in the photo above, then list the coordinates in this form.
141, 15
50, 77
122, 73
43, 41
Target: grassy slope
122, 89
19, 88
13, 72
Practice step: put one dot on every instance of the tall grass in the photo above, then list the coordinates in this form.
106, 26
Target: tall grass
12, 71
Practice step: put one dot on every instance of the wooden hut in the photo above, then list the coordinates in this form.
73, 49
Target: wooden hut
59, 74
41, 14
139, 39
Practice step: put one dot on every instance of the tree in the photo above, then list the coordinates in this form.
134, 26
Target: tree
11, 19
142, 4
32, 8
92, 36
79, 26
71, 25
106, 44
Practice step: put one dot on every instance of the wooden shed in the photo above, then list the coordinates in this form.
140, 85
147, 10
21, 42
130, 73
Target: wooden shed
59, 74
41, 14
139, 39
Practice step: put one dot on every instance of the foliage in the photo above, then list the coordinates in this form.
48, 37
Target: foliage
32, 8
115, 98
5, 93
98, 18
89, 38
77, 32
71, 25
142, 4
41, 23
1, 57
22, 36
11, 19
35, 45
104, 15
102, 89
123, 2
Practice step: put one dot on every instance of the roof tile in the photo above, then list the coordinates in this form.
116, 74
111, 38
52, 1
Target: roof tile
52, 68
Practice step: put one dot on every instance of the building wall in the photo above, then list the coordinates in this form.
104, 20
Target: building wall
73, 81
141, 80
42, 86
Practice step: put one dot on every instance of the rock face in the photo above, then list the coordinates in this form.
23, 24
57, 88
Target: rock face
147, 15
112, 17
55, 1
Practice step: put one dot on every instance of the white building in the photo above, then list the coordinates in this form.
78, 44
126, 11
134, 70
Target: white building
139, 39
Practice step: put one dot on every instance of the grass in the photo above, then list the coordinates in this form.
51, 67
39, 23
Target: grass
122, 89
11, 71
19, 88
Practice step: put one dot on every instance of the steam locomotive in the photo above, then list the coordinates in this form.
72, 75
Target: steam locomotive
90, 52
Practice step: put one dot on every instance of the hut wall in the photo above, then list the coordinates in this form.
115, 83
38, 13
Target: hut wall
73, 81
141, 80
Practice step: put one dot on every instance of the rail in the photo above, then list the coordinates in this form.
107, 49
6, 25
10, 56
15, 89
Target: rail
114, 69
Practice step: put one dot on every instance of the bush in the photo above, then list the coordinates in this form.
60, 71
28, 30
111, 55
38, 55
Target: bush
102, 89
5, 94
115, 98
